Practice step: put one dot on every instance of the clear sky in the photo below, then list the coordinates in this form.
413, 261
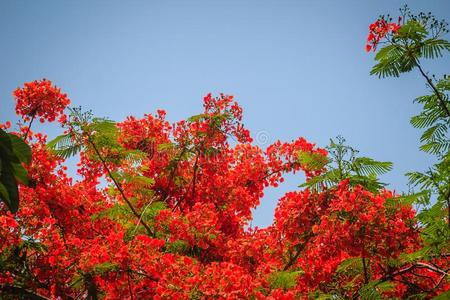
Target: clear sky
298, 68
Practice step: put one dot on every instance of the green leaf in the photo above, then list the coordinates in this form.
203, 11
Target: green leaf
388, 52
389, 61
60, 141
312, 161
438, 131
417, 178
178, 247
284, 279
4, 193
20, 148
414, 256
166, 147
327, 179
6, 148
367, 166
424, 120
314, 183
103, 126
443, 296
419, 198
143, 181
68, 152
105, 267
374, 290
64, 146
20, 173
13, 152
412, 30
8, 180
77, 281
433, 48
321, 296
197, 118
350, 264
435, 148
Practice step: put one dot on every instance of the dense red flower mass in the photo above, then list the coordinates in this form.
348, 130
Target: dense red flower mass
40, 98
379, 30
173, 220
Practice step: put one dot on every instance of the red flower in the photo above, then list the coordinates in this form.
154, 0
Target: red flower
41, 99
6, 125
198, 203
379, 30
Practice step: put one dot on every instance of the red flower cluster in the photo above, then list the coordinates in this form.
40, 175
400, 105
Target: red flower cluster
379, 30
40, 99
196, 190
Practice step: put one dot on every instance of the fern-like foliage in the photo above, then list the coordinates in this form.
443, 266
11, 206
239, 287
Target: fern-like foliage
84, 132
374, 290
418, 37
434, 119
64, 146
434, 211
392, 62
421, 37
345, 164
284, 279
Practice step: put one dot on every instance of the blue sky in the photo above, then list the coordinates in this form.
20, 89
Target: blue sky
298, 68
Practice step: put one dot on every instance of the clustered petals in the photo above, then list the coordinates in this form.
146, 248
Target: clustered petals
78, 238
379, 30
41, 99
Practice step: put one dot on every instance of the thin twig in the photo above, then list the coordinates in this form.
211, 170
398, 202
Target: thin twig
25, 136
436, 92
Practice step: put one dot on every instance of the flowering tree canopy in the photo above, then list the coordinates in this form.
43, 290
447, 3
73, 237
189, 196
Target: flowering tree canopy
162, 210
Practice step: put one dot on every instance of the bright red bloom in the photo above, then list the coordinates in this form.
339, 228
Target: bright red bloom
195, 184
40, 98
379, 30
6, 125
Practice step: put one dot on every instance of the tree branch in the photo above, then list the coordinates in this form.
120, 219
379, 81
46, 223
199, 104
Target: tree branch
299, 249
119, 187
22, 292
366, 274
442, 103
